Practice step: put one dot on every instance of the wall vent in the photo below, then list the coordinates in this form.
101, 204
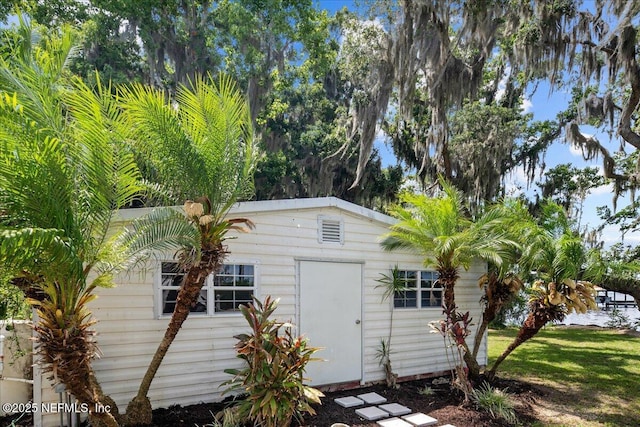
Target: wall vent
330, 230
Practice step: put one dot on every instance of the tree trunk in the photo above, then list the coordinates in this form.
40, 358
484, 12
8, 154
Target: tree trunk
624, 286
139, 409
448, 278
477, 340
537, 318
67, 351
472, 365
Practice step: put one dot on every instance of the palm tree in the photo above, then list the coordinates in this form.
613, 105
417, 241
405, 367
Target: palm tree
63, 171
201, 149
499, 289
502, 283
560, 265
440, 230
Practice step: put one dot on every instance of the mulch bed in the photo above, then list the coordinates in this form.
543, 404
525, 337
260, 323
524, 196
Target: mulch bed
443, 403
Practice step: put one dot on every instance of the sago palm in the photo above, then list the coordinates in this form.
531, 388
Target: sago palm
201, 149
440, 230
63, 172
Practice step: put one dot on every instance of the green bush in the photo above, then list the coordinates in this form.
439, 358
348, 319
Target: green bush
618, 320
12, 302
272, 382
495, 402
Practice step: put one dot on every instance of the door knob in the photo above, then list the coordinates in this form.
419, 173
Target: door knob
357, 321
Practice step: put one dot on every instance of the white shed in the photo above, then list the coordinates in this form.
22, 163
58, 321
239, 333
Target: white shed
321, 257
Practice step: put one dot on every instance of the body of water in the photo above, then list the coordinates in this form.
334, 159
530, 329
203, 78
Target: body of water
602, 317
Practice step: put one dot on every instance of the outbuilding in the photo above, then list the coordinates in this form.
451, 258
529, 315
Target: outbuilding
321, 257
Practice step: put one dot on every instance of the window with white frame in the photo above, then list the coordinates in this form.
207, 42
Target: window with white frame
421, 290
235, 284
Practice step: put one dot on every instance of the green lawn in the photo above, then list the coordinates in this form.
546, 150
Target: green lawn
593, 375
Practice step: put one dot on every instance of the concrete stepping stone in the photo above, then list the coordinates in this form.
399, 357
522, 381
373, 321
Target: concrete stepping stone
349, 401
372, 413
372, 398
394, 422
420, 420
395, 409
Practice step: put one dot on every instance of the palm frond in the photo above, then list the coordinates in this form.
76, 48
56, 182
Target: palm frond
101, 157
162, 230
205, 138
391, 283
38, 251
155, 130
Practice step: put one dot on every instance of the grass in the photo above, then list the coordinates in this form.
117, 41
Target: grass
496, 402
591, 377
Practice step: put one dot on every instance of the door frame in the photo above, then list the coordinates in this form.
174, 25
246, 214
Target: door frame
298, 260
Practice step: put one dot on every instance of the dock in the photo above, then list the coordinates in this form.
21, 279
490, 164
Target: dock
609, 300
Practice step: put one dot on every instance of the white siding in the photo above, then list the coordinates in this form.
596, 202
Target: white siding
193, 369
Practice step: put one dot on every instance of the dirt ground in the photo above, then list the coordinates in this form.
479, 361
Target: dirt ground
442, 403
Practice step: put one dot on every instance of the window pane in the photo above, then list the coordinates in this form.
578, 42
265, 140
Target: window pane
405, 299
245, 281
167, 281
201, 304
408, 275
245, 270
234, 286
408, 278
243, 297
223, 281
172, 274
231, 300
169, 301
431, 298
224, 300
428, 279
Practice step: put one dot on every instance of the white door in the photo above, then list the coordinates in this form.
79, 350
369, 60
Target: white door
330, 317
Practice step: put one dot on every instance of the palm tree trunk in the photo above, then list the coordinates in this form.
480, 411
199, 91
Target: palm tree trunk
139, 409
477, 340
537, 318
67, 349
472, 364
107, 403
448, 277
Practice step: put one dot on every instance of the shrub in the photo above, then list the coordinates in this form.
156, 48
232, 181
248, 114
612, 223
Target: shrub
272, 381
495, 402
427, 391
618, 320
455, 328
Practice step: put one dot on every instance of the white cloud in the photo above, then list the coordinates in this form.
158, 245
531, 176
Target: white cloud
526, 105
603, 189
515, 182
575, 151
611, 235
